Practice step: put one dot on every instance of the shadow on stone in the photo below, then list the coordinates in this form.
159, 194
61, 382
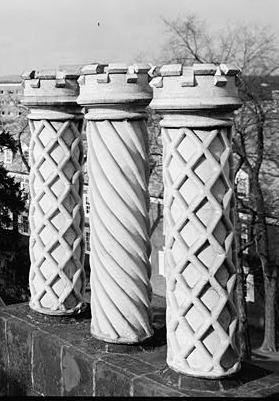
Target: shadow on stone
156, 341
84, 314
259, 355
248, 373
275, 395
9, 386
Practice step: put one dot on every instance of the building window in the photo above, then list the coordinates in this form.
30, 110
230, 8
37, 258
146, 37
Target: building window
87, 205
250, 288
242, 184
8, 156
24, 184
244, 232
87, 241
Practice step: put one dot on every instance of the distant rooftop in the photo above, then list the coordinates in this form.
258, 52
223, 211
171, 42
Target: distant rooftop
10, 79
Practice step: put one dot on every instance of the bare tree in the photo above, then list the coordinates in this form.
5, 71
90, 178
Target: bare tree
253, 49
12, 198
17, 125
13, 124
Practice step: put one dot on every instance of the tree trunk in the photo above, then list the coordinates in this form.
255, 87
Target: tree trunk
270, 285
269, 270
156, 220
243, 331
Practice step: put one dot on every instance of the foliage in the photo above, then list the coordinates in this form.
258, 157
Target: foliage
14, 257
14, 267
12, 198
16, 126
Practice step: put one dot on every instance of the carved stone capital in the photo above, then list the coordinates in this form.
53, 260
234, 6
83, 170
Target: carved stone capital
51, 88
115, 86
200, 87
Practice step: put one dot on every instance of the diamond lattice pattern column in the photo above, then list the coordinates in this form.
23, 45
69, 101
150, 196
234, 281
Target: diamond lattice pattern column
57, 278
200, 257
199, 248
56, 220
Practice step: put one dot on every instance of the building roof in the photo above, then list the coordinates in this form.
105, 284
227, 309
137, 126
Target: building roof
10, 79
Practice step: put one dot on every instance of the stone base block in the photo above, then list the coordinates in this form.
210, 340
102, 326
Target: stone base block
56, 356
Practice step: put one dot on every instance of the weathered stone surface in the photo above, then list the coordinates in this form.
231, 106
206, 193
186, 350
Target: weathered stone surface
19, 347
199, 224
47, 364
57, 278
64, 365
129, 363
250, 374
146, 387
77, 373
115, 97
33, 393
4, 367
270, 392
156, 358
111, 381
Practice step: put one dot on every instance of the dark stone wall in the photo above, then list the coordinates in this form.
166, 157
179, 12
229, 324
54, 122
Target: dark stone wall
56, 356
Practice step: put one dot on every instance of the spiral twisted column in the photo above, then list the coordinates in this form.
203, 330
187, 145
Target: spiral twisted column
57, 277
202, 318
115, 96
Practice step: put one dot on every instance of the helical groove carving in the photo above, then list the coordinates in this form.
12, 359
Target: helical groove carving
120, 246
57, 278
200, 251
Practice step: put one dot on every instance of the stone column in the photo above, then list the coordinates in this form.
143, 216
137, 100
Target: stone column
57, 278
196, 104
115, 97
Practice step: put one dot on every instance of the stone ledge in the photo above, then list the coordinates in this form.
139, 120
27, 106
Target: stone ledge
41, 355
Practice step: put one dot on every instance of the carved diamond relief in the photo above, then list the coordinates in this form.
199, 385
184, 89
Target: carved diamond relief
56, 216
199, 236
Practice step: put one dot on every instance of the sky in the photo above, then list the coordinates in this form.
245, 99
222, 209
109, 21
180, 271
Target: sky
47, 33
